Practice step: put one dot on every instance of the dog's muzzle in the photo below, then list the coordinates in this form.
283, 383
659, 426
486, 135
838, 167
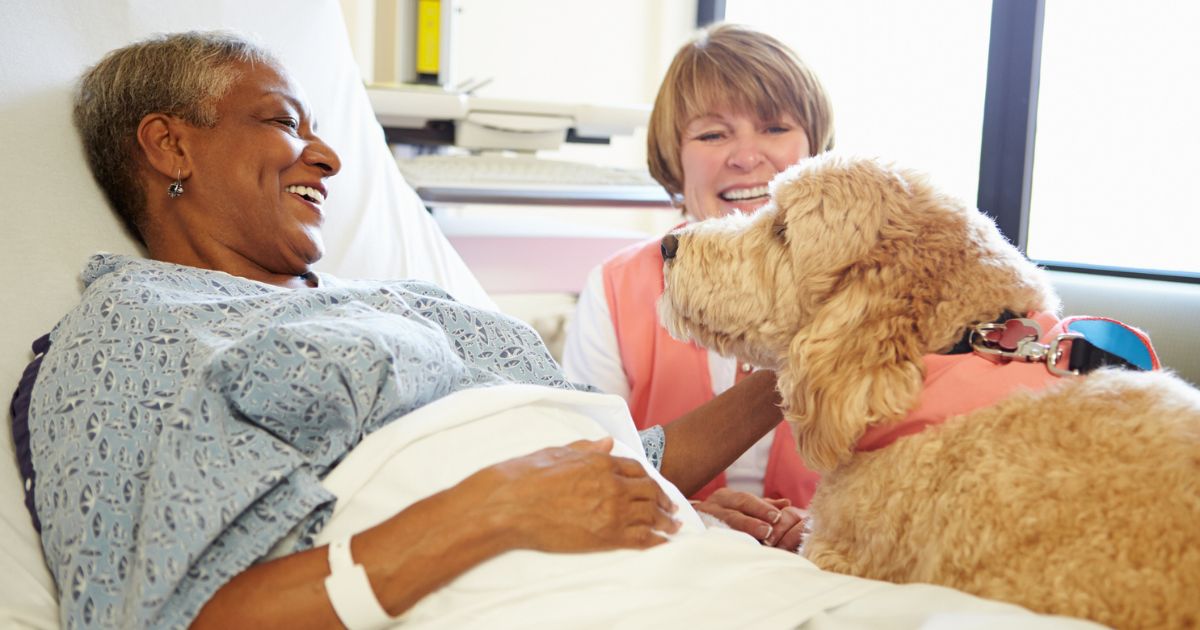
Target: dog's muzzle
670, 244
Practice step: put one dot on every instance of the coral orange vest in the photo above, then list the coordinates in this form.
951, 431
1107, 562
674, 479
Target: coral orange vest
668, 378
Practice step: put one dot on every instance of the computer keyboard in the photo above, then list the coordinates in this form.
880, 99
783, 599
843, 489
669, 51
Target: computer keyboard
521, 170
528, 180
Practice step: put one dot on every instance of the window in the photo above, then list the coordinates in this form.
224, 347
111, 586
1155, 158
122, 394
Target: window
1103, 183
1118, 136
907, 79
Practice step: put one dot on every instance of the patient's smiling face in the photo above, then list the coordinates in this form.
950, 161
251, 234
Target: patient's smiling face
258, 178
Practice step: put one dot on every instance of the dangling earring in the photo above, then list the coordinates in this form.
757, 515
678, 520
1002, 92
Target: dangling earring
176, 187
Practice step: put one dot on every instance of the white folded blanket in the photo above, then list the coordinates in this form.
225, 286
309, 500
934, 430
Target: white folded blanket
701, 579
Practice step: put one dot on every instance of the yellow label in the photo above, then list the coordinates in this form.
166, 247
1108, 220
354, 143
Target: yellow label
429, 14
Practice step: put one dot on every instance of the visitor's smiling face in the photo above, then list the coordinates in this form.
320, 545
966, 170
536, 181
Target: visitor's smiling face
729, 158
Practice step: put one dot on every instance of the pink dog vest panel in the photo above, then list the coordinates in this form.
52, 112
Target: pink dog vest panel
956, 384
668, 378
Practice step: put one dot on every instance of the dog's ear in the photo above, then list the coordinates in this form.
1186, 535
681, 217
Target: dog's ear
857, 359
856, 364
829, 221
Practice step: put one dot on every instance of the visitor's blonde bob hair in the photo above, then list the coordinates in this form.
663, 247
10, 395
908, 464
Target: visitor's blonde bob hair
737, 69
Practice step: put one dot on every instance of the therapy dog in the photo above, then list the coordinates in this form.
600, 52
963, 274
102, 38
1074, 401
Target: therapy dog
967, 436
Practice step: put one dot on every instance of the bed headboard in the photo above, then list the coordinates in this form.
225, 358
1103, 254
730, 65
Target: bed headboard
54, 216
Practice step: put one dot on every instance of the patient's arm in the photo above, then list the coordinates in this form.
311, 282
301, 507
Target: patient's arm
572, 498
706, 440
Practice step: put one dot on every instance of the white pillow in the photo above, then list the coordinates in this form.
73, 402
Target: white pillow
55, 216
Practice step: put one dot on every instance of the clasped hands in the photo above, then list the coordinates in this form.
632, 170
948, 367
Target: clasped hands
773, 522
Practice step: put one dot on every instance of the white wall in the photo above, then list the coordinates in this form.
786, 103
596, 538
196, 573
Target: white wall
360, 20
577, 51
615, 51
589, 51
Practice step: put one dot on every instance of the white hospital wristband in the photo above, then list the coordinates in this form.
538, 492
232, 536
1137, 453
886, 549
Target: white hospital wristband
350, 591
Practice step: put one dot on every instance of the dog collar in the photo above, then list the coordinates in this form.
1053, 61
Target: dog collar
1094, 342
963, 346
956, 384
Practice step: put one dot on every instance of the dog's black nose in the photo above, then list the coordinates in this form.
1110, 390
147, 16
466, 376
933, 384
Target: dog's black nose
670, 243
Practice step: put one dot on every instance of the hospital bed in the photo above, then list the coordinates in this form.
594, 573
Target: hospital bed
54, 215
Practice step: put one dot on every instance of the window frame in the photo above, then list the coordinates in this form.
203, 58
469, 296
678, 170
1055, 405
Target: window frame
1010, 116
709, 11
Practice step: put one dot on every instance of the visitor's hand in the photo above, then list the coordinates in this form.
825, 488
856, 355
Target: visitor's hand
575, 498
774, 522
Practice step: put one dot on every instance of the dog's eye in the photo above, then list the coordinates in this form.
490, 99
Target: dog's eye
780, 231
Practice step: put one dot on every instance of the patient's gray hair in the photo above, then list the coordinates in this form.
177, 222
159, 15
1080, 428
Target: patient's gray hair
181, 74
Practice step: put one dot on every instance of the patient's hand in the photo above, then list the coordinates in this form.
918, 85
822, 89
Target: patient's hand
577, 498
774, 522
570, 498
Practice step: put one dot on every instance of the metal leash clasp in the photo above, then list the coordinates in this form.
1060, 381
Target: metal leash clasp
1056, 352
1018, 340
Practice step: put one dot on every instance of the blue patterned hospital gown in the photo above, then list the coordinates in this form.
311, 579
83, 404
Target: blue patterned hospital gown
182, 419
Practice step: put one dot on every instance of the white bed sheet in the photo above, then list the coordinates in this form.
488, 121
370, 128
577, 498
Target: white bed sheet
713, 578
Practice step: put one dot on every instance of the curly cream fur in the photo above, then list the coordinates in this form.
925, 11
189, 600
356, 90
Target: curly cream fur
1082, 499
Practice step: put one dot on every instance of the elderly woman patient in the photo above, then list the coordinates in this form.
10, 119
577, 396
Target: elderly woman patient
188, 408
